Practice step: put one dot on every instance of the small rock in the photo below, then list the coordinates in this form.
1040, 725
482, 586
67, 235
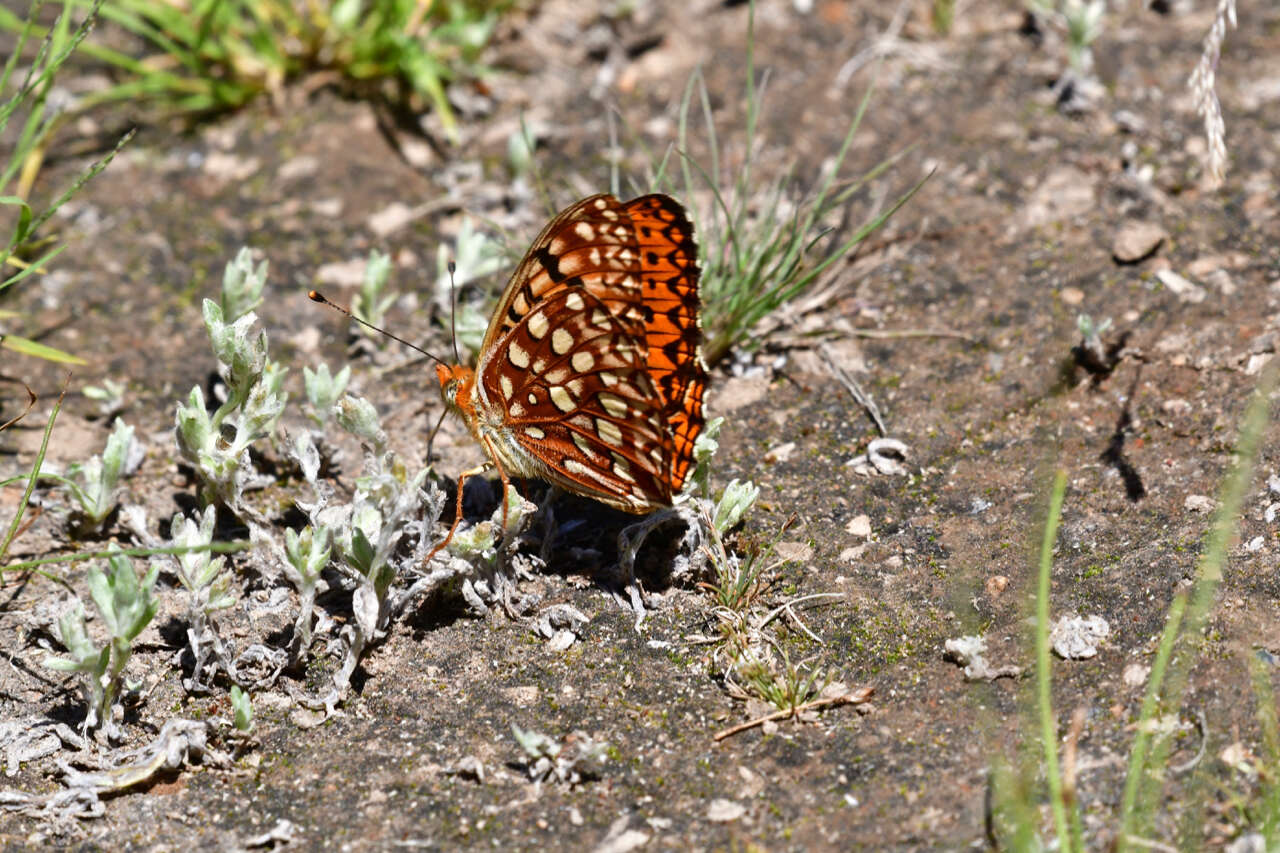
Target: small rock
1136, 241
302, 166
392, 218
725, 811
848, 555
1135, 675
342, 273
1077, 637
1064, 193
1185, 290
781, 453
1254, 365
995, 585
229, 167
1071, 296
794, 552
1198, 503
521, 696
329, 208
859, 525
561, 641
1221, 281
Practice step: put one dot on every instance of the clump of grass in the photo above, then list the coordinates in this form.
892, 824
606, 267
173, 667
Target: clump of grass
761, 246
24, 253
210, 56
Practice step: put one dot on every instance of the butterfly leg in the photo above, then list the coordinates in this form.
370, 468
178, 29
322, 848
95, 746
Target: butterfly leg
506, 482
457, 514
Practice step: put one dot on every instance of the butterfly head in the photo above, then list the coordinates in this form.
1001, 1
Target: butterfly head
455, 385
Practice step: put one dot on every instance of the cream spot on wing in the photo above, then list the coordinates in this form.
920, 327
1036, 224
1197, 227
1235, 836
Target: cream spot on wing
625, 254
573, 466
594, 257
558, 376
535, 432
533, 399
609, 431
608, 377
629, 283
611, 215
504, 382
561, 341
602, 204
583, 361
520, 305
574, 301
517, 355
584, 230
561, 398
600, 318
537, 325
584, 444
613, 404
516, 411
540, 365
622, 469
620, 231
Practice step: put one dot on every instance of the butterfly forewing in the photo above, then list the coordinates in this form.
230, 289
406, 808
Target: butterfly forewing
668, 272
590, 244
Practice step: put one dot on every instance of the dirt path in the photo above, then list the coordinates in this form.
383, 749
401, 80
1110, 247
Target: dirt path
1008, 243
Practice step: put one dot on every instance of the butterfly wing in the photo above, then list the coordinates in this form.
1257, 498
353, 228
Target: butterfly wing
591, 368
589, 244
570, 387
668, 272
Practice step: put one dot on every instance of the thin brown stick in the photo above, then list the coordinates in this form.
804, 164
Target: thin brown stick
31, 401
853, 697
892, 334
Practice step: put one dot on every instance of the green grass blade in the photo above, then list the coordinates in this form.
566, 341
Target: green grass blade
26, 346
1044, 697
35, 266
1147, 760
31, 479
212, 547
83, 178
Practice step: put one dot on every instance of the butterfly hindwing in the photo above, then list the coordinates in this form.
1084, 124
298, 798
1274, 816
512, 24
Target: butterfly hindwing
571, 385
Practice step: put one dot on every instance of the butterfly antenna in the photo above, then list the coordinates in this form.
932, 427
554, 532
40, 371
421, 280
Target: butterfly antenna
453, 312
317, 296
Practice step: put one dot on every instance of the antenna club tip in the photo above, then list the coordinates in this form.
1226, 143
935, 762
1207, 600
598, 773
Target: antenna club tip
453, 267
315, 296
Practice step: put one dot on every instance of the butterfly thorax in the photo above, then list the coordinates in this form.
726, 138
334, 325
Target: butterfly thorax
463, 396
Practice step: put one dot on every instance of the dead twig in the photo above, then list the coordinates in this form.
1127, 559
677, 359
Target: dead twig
894, 334
851, 384
853, 697
31, 401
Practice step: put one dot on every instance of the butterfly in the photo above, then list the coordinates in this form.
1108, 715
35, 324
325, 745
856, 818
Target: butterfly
590, 375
